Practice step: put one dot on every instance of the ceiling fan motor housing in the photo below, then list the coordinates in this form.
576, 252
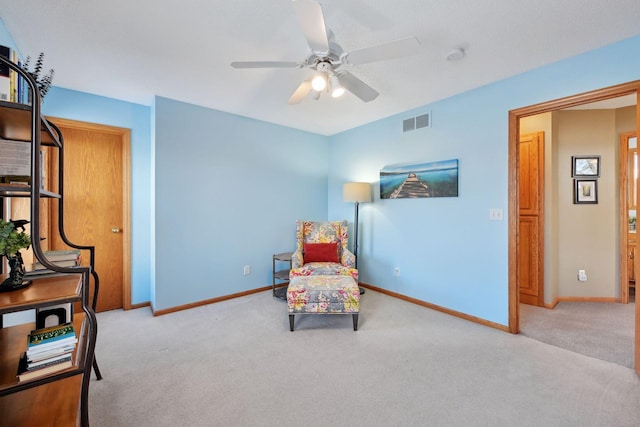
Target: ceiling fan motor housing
324, 67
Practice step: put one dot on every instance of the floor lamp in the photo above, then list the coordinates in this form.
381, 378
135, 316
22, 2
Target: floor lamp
356, 192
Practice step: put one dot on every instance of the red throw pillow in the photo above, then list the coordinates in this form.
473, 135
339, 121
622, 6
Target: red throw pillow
321, 252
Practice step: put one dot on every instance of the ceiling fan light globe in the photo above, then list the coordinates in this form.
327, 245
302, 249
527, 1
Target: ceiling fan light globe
336, 88
319, 83
337, 92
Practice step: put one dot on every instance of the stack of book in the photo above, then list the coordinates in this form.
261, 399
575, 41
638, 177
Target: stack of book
13, 88
49, 350
62, 258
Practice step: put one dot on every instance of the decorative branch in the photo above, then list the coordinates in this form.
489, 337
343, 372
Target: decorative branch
44, 82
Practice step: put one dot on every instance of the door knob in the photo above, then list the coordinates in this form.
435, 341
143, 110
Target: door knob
115, 230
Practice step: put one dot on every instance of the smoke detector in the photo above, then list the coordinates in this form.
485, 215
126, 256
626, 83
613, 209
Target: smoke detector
455, 54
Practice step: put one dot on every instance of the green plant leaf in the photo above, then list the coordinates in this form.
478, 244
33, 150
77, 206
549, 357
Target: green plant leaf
12, 240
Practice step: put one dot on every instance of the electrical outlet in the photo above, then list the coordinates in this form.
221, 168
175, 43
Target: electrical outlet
397, 271
582, 275
247, 270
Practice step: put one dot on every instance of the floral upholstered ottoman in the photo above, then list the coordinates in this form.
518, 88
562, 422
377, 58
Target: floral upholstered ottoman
323, 295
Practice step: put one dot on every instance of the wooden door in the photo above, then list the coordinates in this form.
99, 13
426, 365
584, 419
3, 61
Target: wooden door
628, 204
96, 204
530, 219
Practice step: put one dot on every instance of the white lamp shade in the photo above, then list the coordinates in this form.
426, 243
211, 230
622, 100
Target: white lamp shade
356, 192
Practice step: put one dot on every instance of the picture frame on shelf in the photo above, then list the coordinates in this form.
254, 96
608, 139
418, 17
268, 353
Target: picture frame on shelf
585, 166
585, 191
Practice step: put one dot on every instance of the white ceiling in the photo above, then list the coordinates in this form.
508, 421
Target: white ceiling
181, 49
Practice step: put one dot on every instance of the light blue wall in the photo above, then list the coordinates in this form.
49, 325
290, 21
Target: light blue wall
69, 104
228, 192
448, 251
152, 219
223, 191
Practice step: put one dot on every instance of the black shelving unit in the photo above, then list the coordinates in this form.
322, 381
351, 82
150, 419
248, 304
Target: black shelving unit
24, 123
281, 276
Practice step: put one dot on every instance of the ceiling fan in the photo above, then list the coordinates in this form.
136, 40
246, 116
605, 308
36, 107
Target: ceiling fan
327, 58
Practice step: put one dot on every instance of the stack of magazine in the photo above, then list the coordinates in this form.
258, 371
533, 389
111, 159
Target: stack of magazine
62, 258
49, 350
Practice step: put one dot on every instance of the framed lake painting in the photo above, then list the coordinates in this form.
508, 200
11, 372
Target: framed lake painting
435, 179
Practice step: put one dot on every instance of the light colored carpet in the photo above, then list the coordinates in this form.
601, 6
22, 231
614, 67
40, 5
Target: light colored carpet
597, 329
235, 363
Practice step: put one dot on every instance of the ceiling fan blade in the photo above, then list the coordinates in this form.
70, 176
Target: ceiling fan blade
265, 64
301, 93
311, 19
357, 86
381, 52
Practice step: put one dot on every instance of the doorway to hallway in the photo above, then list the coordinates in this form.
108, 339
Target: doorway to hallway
514, 223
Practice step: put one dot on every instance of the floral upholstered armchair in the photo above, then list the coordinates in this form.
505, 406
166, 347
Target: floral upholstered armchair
321, 250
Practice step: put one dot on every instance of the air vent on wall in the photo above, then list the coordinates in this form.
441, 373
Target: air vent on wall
409, 124
418, 122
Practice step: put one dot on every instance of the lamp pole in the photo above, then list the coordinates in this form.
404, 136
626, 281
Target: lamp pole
356, 192
355, 239
355, 232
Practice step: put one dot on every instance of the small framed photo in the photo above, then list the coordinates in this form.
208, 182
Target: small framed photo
585, 191
585, 166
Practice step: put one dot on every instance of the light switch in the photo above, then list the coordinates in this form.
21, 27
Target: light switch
495, 214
